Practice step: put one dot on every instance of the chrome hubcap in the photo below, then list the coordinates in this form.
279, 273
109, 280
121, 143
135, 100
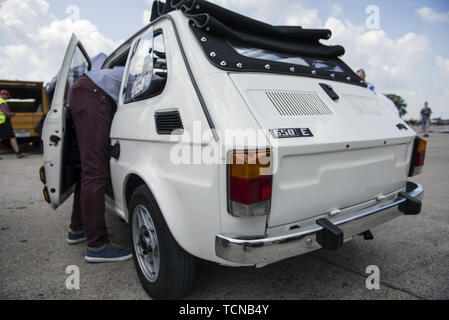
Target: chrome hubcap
146, 243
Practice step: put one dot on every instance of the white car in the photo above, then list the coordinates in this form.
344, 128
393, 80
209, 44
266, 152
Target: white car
238, 143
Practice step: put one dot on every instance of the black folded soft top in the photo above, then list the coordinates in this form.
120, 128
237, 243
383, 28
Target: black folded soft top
212, 24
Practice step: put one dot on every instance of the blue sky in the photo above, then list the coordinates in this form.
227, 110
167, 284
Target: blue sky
119, 21
408, 54
397, 17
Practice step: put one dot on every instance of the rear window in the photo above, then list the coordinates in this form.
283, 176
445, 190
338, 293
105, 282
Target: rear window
262, 54
274, 56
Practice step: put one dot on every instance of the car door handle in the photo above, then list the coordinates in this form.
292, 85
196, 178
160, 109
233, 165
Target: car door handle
114, 151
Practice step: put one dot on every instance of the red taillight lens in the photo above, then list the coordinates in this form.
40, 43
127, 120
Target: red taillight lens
250, 182
418, 157
250, 191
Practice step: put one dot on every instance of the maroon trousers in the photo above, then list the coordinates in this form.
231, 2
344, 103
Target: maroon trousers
92, 112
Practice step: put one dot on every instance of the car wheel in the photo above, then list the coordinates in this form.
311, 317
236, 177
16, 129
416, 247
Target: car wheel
165, 270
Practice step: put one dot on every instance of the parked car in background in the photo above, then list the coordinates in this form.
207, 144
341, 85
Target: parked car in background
332, 162
440, 122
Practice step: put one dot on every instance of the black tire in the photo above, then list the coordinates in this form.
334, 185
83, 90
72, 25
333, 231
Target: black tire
177, 267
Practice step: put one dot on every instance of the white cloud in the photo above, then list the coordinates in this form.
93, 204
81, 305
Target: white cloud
42, 39
146, 16
307, 18
428, 14
275, 12
388, 62
337, 10
402, 65
443, 64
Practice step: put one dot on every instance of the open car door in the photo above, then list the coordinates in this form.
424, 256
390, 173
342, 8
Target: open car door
62, 163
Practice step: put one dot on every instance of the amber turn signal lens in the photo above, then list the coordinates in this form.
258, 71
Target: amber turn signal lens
422, 145
251, 164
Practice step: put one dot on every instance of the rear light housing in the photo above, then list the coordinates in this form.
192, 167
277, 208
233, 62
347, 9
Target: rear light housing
418, 157
250, 183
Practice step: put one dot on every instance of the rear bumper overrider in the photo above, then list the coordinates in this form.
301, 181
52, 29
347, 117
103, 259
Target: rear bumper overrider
322, 234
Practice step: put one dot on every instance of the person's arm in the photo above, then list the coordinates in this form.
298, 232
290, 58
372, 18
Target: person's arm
6, 111
10, 114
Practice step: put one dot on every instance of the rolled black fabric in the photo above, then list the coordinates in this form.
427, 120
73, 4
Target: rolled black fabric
218, 30
159, 8
232, 25
243, 24
302, 47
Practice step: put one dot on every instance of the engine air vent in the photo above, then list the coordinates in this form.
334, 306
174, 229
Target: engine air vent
296, 103
168, 122
364, 106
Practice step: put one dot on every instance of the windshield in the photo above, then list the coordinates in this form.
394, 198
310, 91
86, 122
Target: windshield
261, 54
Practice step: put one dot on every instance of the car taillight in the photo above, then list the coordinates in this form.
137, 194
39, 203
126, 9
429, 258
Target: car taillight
250, 181
419, 154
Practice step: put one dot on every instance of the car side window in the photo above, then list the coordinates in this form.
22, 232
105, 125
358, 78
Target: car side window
147, 74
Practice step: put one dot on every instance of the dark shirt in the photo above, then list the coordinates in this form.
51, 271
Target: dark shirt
426, 113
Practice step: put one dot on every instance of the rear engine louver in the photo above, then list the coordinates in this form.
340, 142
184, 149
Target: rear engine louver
295, 103
364, 106
168, 122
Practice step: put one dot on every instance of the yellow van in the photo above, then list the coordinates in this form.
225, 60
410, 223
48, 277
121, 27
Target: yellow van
30, 103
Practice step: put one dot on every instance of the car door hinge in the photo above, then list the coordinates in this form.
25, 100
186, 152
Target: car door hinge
54, 140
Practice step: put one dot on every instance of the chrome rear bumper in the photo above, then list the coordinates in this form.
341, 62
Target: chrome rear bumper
272, 249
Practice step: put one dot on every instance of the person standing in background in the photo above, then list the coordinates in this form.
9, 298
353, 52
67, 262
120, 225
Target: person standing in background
426, 113
6, 130
362, 74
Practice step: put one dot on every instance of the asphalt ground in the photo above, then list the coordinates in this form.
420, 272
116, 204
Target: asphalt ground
412, 252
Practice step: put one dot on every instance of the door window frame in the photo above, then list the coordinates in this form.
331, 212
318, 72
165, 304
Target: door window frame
133, 49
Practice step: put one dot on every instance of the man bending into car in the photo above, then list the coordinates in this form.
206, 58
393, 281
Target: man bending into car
93, 101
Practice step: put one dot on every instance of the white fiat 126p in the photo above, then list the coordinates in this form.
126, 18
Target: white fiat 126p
237, 142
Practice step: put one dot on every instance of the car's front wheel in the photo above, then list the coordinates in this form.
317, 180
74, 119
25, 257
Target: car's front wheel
165, 270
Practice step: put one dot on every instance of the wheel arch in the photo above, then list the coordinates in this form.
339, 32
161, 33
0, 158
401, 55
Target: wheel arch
170, 205
132, 182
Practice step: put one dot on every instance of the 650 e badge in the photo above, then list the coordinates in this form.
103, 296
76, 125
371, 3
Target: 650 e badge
292, 133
